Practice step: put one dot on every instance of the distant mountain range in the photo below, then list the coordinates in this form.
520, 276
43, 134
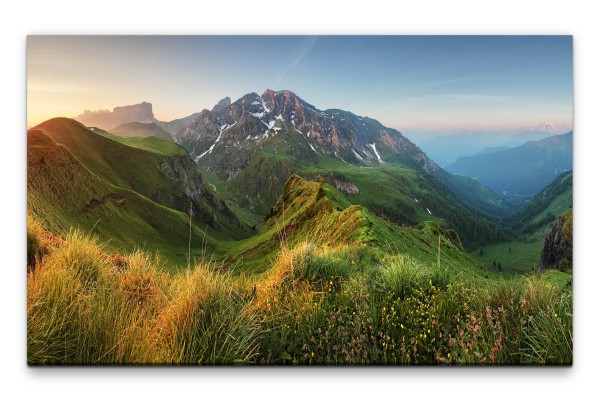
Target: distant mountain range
520, 172
445, 150
107, 119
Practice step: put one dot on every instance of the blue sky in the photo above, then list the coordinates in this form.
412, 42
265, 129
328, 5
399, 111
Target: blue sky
418, 84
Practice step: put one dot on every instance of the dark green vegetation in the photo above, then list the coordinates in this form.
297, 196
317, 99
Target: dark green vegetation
518, 174
545, 207
529, 227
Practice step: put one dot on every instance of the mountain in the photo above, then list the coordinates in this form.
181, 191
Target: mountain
168, 177
106, 119
141, 129
175, 126
519, 173
251, 147
536, 133
492, 150
258, 141
246, 125
320, 212
545, 207
447, 149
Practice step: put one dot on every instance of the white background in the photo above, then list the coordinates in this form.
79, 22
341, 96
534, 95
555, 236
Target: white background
297, 17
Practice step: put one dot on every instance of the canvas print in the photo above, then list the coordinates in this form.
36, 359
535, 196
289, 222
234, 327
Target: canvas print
299, 200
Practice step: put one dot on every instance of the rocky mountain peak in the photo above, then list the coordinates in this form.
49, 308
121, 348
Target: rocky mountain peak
222, 105
225, 139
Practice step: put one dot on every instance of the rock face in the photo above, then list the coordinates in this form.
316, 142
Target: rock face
347, 188
558, 245
190, 185
106, 119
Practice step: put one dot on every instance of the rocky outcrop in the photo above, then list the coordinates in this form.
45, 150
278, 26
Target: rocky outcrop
347, 188
190, 185
106, 119
558, 245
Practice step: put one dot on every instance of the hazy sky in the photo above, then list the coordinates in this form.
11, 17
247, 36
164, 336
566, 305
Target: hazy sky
412, 83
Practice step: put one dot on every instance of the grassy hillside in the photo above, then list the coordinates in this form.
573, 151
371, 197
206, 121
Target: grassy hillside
167, 176
396, 193
64, 194
320, 212
313, 305
152, 144
141, 129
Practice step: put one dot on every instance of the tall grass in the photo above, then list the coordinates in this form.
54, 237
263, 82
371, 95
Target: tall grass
314, 305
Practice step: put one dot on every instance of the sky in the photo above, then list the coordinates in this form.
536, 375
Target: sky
423, 85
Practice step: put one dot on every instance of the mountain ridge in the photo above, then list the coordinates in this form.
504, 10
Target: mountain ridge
525, 169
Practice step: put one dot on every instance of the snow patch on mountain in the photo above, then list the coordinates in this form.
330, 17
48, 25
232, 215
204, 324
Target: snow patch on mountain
264, 105
358, 156
372, 146
221, 130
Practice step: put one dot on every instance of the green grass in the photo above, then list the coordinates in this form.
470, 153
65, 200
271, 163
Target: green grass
530, 225
58, 196
515, 257
152, 144
167, 177
344, 305
388, 191
318, 211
